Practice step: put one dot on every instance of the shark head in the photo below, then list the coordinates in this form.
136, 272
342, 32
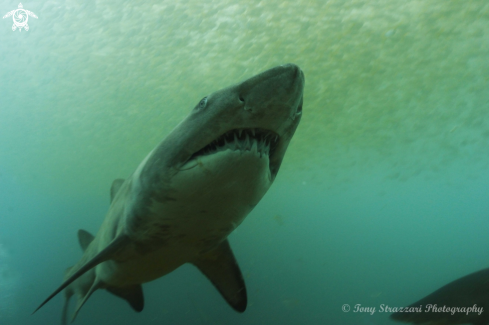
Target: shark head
253, 120
227, 150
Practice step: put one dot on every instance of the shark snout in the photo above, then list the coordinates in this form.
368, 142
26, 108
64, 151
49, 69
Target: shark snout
276, 92
269, 103
292, 69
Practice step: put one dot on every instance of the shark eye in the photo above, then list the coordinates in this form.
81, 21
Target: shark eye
202, 103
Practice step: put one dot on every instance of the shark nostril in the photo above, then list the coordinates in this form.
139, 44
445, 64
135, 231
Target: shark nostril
299, 108
241, 99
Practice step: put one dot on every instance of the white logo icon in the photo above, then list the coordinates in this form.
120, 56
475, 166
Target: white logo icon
20, 17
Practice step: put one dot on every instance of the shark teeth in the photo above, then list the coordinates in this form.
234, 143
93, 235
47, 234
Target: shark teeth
260, 141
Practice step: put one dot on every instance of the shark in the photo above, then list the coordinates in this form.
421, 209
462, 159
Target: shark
190, 192
462, 301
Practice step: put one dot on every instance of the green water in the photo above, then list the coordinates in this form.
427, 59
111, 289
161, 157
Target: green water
391, 153
91, 88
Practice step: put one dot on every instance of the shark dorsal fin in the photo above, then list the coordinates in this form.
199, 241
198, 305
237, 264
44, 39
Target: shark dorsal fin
221, 268
85, 238
132, 294
115, 246
116, 185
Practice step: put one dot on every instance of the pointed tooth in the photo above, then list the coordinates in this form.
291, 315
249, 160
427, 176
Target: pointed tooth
254, 146
247, 142
236, 142
240, 131
253, 132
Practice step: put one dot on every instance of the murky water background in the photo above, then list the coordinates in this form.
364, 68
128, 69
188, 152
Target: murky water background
383, 194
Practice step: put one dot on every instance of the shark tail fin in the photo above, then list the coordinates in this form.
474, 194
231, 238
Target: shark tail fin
116, 245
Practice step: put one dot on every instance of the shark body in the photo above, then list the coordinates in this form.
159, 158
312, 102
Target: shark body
462, 301
191, 192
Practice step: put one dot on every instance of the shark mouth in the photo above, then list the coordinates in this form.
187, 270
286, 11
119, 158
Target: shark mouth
262, 141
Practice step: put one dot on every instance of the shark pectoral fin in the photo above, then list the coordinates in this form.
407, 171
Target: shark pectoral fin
104, 255
82, 299
116, 185
221, 268
85, 238
132, 294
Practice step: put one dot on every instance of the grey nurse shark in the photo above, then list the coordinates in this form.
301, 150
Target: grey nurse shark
191, 192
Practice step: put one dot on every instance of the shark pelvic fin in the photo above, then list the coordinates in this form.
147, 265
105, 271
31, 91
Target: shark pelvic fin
102, 256
221, 268
65, 311
132, 294
68, 294
81, 300
116, 186
85, 238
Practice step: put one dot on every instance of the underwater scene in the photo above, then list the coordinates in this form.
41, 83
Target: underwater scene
378, 108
